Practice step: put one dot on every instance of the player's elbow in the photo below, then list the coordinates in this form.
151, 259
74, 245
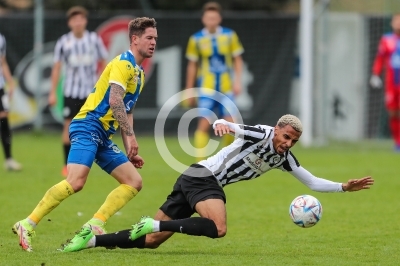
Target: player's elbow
113, 102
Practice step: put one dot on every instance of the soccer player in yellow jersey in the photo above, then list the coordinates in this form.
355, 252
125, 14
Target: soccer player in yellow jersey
108, 106
214, 64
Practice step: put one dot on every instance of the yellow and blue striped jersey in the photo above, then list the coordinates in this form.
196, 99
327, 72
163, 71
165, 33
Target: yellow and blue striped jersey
123, 71
214, 53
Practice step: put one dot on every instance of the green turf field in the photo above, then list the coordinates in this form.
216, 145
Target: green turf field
359, 228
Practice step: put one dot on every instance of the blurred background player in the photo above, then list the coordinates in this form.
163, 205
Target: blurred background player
5, 132
388, 58
80, 52
213, 54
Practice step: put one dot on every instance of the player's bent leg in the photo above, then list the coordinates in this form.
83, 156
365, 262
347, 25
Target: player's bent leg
121, 239
127, 174
214, 209
66, 145
51, 199
195, 226
77, 175
130, 185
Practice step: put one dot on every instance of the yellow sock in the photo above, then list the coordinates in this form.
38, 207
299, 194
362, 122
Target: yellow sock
117, 199
200, 141
227, 139
53, 197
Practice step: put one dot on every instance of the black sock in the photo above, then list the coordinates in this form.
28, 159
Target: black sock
67, 147
5, 134
120, 239
195, 226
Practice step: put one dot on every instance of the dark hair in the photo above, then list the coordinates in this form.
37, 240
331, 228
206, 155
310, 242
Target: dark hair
76, 10
212, 6
137, 26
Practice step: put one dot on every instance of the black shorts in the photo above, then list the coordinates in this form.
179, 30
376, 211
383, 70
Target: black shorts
72, 107
4, 102
194, 185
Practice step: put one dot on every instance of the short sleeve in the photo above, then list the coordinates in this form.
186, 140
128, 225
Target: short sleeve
58, 51
192, 53
120, 73
101, 49
236, 45
291, 163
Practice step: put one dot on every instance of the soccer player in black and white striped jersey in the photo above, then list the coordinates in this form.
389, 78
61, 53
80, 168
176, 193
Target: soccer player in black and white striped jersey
5, 132
256, 150
79, 52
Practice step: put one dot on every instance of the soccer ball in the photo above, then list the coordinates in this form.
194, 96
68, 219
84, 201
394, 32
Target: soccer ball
305, 211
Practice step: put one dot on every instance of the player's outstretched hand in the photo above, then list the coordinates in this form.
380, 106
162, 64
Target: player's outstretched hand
221, 129
358, 184
137, 161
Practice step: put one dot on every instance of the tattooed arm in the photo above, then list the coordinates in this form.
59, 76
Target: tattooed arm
125, 120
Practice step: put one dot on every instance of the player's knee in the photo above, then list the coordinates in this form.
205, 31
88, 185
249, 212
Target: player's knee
221, 229
76, 184
137, 183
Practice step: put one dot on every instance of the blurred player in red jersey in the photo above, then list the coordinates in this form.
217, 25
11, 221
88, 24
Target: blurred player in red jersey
388, 57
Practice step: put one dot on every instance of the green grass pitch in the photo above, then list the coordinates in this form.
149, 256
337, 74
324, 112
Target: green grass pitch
356, 228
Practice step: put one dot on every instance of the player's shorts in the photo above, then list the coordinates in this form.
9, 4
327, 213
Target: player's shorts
4, 101
194, 185
222, 106
72, 107
392, 97
89, 143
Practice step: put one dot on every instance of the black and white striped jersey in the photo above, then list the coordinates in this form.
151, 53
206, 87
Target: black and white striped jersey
2, 54
252, 154
80, 57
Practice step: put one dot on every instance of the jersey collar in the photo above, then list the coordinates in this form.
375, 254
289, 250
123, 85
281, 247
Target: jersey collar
217, 31
134, 59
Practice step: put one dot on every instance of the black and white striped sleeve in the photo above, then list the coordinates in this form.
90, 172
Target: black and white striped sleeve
249, 133
101, 49
291, 163
58, 50
2, 46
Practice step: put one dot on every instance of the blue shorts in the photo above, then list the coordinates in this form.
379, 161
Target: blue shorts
221, 105
90, 143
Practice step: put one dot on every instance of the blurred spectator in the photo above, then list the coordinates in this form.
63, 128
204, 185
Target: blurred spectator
388, 59
5, 132
80, 52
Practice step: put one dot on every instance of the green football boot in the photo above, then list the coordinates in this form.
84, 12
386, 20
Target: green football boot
79, 242
143, 227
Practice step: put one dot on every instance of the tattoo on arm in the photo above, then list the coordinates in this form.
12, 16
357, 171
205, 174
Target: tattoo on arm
118, 108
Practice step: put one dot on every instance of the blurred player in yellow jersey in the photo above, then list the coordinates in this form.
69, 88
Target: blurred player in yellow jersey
214, 64
108, 106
